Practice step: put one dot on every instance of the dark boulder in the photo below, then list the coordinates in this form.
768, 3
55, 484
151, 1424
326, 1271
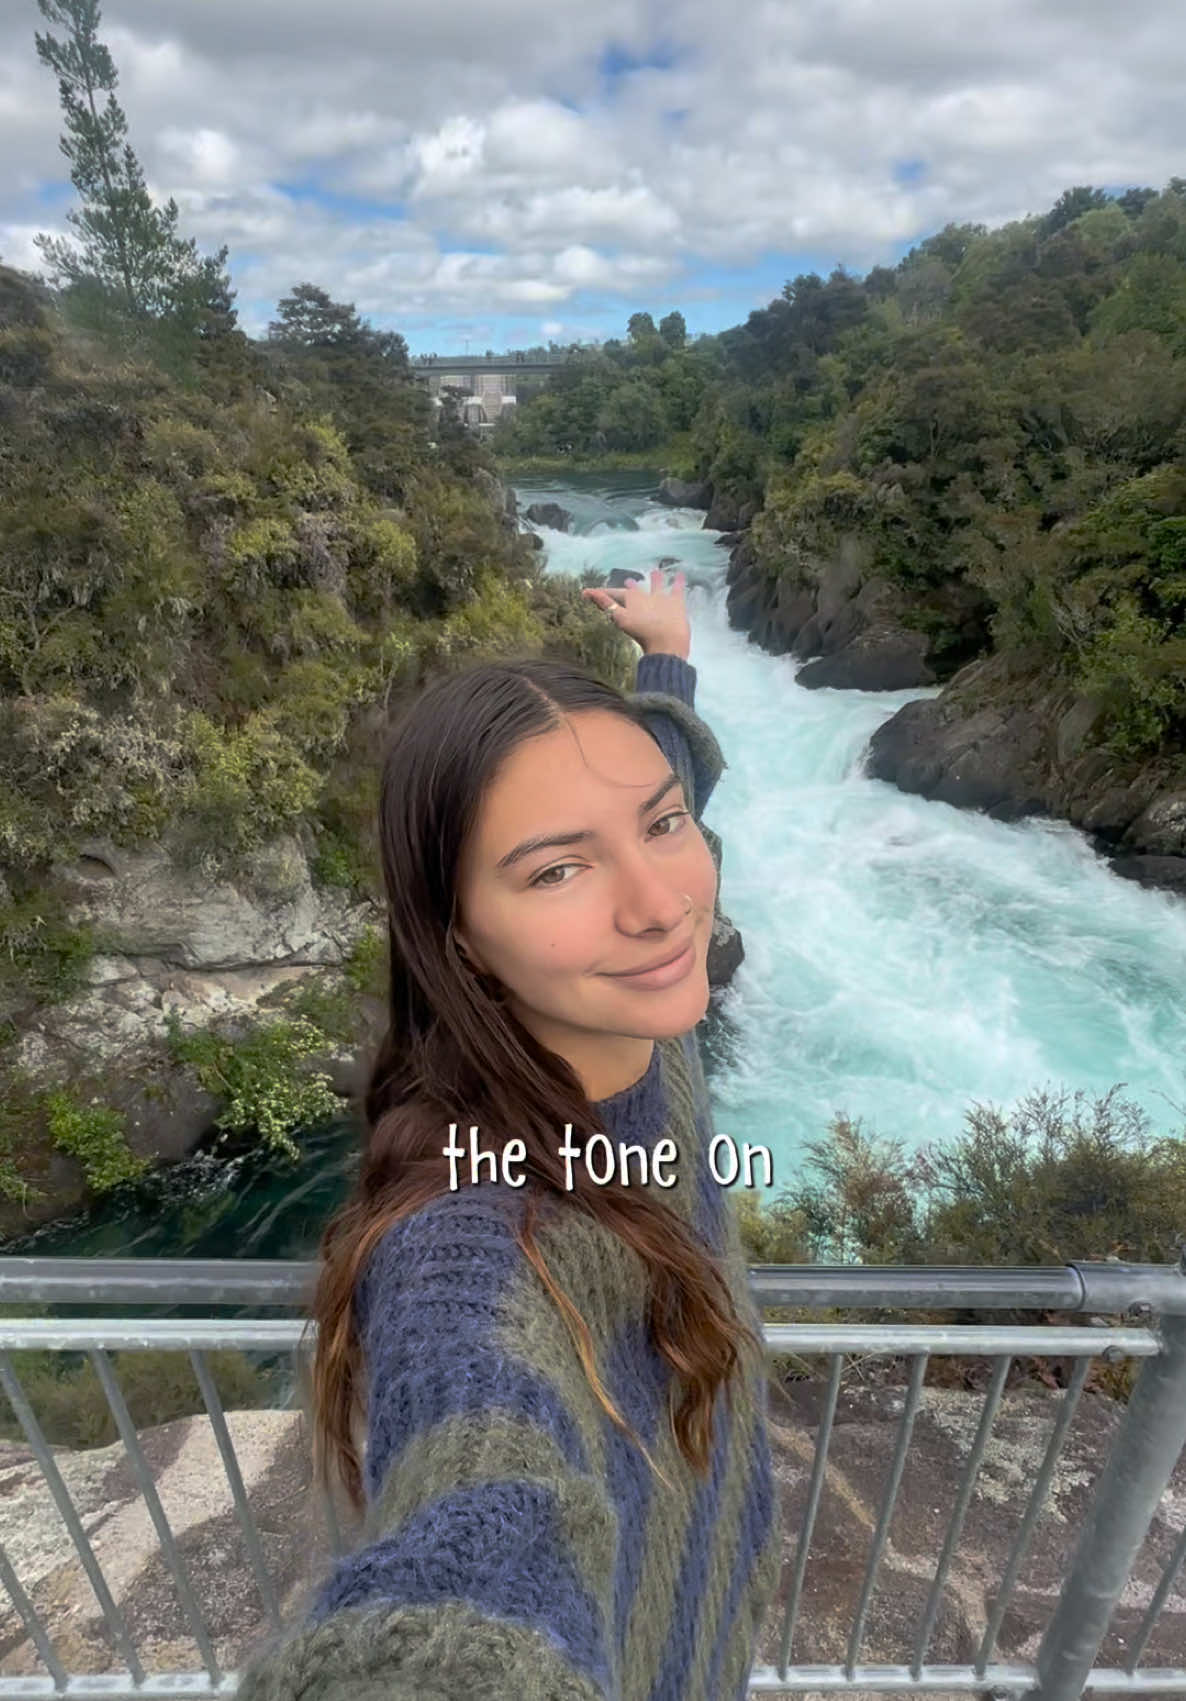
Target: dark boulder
854, 630
1167, 873
684, 493
549, 514
724, 515
988, 759
875, 661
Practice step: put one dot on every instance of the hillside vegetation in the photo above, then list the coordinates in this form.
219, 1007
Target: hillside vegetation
224, 562
1002, 415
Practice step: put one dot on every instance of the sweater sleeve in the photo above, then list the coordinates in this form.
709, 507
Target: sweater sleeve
488, 1544
665, 690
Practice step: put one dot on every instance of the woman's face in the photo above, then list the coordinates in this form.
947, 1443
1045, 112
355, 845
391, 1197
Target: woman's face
562, 925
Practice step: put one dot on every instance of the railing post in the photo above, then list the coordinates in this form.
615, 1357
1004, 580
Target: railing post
1127, 1495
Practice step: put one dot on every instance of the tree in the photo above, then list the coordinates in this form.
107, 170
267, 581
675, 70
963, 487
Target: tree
308, 318
1134, 201
640, 327
673, 329
130, 251
1072, 204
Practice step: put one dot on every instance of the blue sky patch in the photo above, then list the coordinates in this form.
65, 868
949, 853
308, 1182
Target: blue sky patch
907, 171
617, 61
353, 206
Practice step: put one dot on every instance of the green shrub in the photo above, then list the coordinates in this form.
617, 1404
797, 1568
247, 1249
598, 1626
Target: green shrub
1137, 666
158, 1385
43, 957
246, 785
366, 967
95, 1135
69, 771
259, 1077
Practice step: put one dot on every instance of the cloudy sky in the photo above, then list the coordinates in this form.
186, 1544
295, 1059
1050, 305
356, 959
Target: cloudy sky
497, 172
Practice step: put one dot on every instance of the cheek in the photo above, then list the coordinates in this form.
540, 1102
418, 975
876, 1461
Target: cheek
702, 878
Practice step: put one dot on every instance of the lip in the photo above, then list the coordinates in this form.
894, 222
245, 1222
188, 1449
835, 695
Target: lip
662, 974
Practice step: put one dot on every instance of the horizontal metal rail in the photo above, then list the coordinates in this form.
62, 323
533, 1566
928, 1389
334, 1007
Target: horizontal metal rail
1105, 1288
126, 1334
1143, 1457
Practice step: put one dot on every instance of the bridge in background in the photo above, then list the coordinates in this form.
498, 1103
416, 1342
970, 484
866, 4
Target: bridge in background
489, 383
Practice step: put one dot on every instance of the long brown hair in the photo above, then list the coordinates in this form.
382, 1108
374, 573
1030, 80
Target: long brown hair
451, 1050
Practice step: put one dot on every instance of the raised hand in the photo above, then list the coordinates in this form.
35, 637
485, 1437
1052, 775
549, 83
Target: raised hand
655, 616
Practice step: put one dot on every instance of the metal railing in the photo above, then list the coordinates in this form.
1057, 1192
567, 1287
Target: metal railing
1151, 1300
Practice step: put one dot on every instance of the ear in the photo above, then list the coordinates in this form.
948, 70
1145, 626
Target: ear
465, 953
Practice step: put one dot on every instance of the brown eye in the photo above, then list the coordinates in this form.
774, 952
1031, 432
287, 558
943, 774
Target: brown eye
542, 880
676, 815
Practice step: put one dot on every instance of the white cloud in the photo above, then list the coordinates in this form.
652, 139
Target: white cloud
478, 164
203, 156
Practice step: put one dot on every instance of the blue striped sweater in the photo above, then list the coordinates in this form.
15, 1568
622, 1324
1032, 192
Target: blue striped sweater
517, 1546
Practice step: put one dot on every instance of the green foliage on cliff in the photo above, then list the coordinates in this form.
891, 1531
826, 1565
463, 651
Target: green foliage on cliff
203, 595
259, 1077
95, 1135
1004, 413
219, 578
996, 427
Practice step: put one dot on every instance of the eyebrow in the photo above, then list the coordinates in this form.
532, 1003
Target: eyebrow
546, 840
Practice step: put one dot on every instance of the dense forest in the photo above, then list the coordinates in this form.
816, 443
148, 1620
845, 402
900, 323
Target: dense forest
1002, 414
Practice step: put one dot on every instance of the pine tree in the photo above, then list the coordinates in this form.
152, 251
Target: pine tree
130, 253
309, 318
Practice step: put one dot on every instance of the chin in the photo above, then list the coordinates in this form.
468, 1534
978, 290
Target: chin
686, 1011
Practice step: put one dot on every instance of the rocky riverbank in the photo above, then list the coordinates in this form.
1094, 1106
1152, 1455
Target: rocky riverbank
1000, 737
211, 956
1003, 739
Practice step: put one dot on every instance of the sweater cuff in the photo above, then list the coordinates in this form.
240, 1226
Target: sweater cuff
662, 671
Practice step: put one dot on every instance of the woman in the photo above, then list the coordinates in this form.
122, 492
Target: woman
568, 1493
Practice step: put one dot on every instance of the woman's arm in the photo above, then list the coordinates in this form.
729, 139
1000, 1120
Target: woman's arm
665, 689
656, 617
489, 1543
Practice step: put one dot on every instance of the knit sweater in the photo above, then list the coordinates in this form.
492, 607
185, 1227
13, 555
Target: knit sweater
516, 1545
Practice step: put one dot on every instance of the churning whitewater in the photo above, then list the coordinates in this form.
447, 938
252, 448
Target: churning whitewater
903, 959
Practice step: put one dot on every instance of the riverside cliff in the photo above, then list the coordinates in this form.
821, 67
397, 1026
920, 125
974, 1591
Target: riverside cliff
225, 568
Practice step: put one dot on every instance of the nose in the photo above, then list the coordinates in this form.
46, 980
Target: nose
648, 897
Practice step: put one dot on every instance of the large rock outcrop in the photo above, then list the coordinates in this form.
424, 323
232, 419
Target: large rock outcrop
851, 627
1005, 739
204, 949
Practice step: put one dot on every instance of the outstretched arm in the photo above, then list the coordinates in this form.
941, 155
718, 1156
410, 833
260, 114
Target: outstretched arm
656, 618
489, 1547
665, 689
